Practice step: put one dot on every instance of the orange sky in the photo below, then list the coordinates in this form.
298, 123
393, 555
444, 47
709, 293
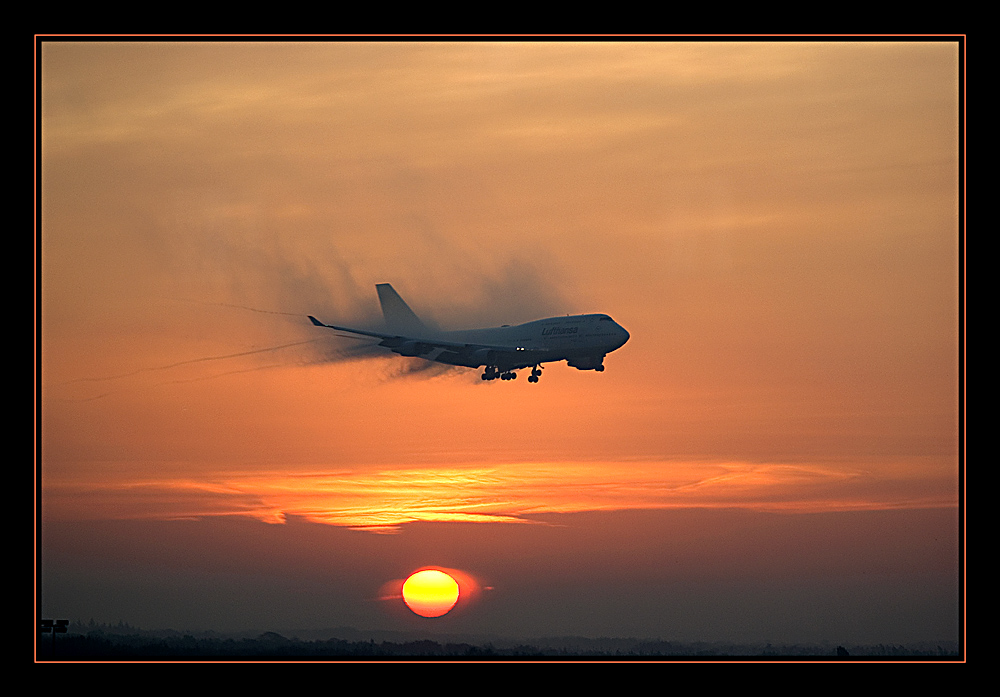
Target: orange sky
776, 224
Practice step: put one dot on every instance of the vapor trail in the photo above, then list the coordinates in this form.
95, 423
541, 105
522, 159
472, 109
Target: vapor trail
190, 361
239, 307
254, 309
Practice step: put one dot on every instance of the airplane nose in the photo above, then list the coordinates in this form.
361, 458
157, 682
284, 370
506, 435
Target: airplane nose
624, 335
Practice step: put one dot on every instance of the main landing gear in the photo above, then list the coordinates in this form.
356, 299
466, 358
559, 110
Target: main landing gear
492, 373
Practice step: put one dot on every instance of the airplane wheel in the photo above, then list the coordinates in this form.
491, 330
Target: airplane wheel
532, 378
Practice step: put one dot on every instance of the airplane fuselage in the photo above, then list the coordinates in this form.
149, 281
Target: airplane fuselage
580, 339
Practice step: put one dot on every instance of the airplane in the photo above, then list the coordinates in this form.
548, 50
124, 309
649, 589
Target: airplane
581, 340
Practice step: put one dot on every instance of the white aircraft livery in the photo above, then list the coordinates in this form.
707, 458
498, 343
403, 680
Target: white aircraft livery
581, 340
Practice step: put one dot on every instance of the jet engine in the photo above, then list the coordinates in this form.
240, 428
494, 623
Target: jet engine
587, 363
484, 357
412, 348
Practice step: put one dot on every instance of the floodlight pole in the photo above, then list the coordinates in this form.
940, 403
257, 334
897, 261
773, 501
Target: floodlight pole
55, 627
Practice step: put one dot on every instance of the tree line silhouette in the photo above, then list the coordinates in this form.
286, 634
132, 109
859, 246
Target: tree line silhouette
92, 641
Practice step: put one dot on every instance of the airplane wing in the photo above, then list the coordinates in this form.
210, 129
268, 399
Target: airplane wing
391, 340
353, 331
451, 352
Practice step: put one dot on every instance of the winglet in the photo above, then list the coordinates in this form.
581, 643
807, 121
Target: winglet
316, 321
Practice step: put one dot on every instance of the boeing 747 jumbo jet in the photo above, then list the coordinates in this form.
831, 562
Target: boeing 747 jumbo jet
581, 340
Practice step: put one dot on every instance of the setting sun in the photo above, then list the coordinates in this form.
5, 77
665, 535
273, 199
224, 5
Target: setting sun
430, 593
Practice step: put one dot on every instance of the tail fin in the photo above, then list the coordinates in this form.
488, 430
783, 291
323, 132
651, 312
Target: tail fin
398, 315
